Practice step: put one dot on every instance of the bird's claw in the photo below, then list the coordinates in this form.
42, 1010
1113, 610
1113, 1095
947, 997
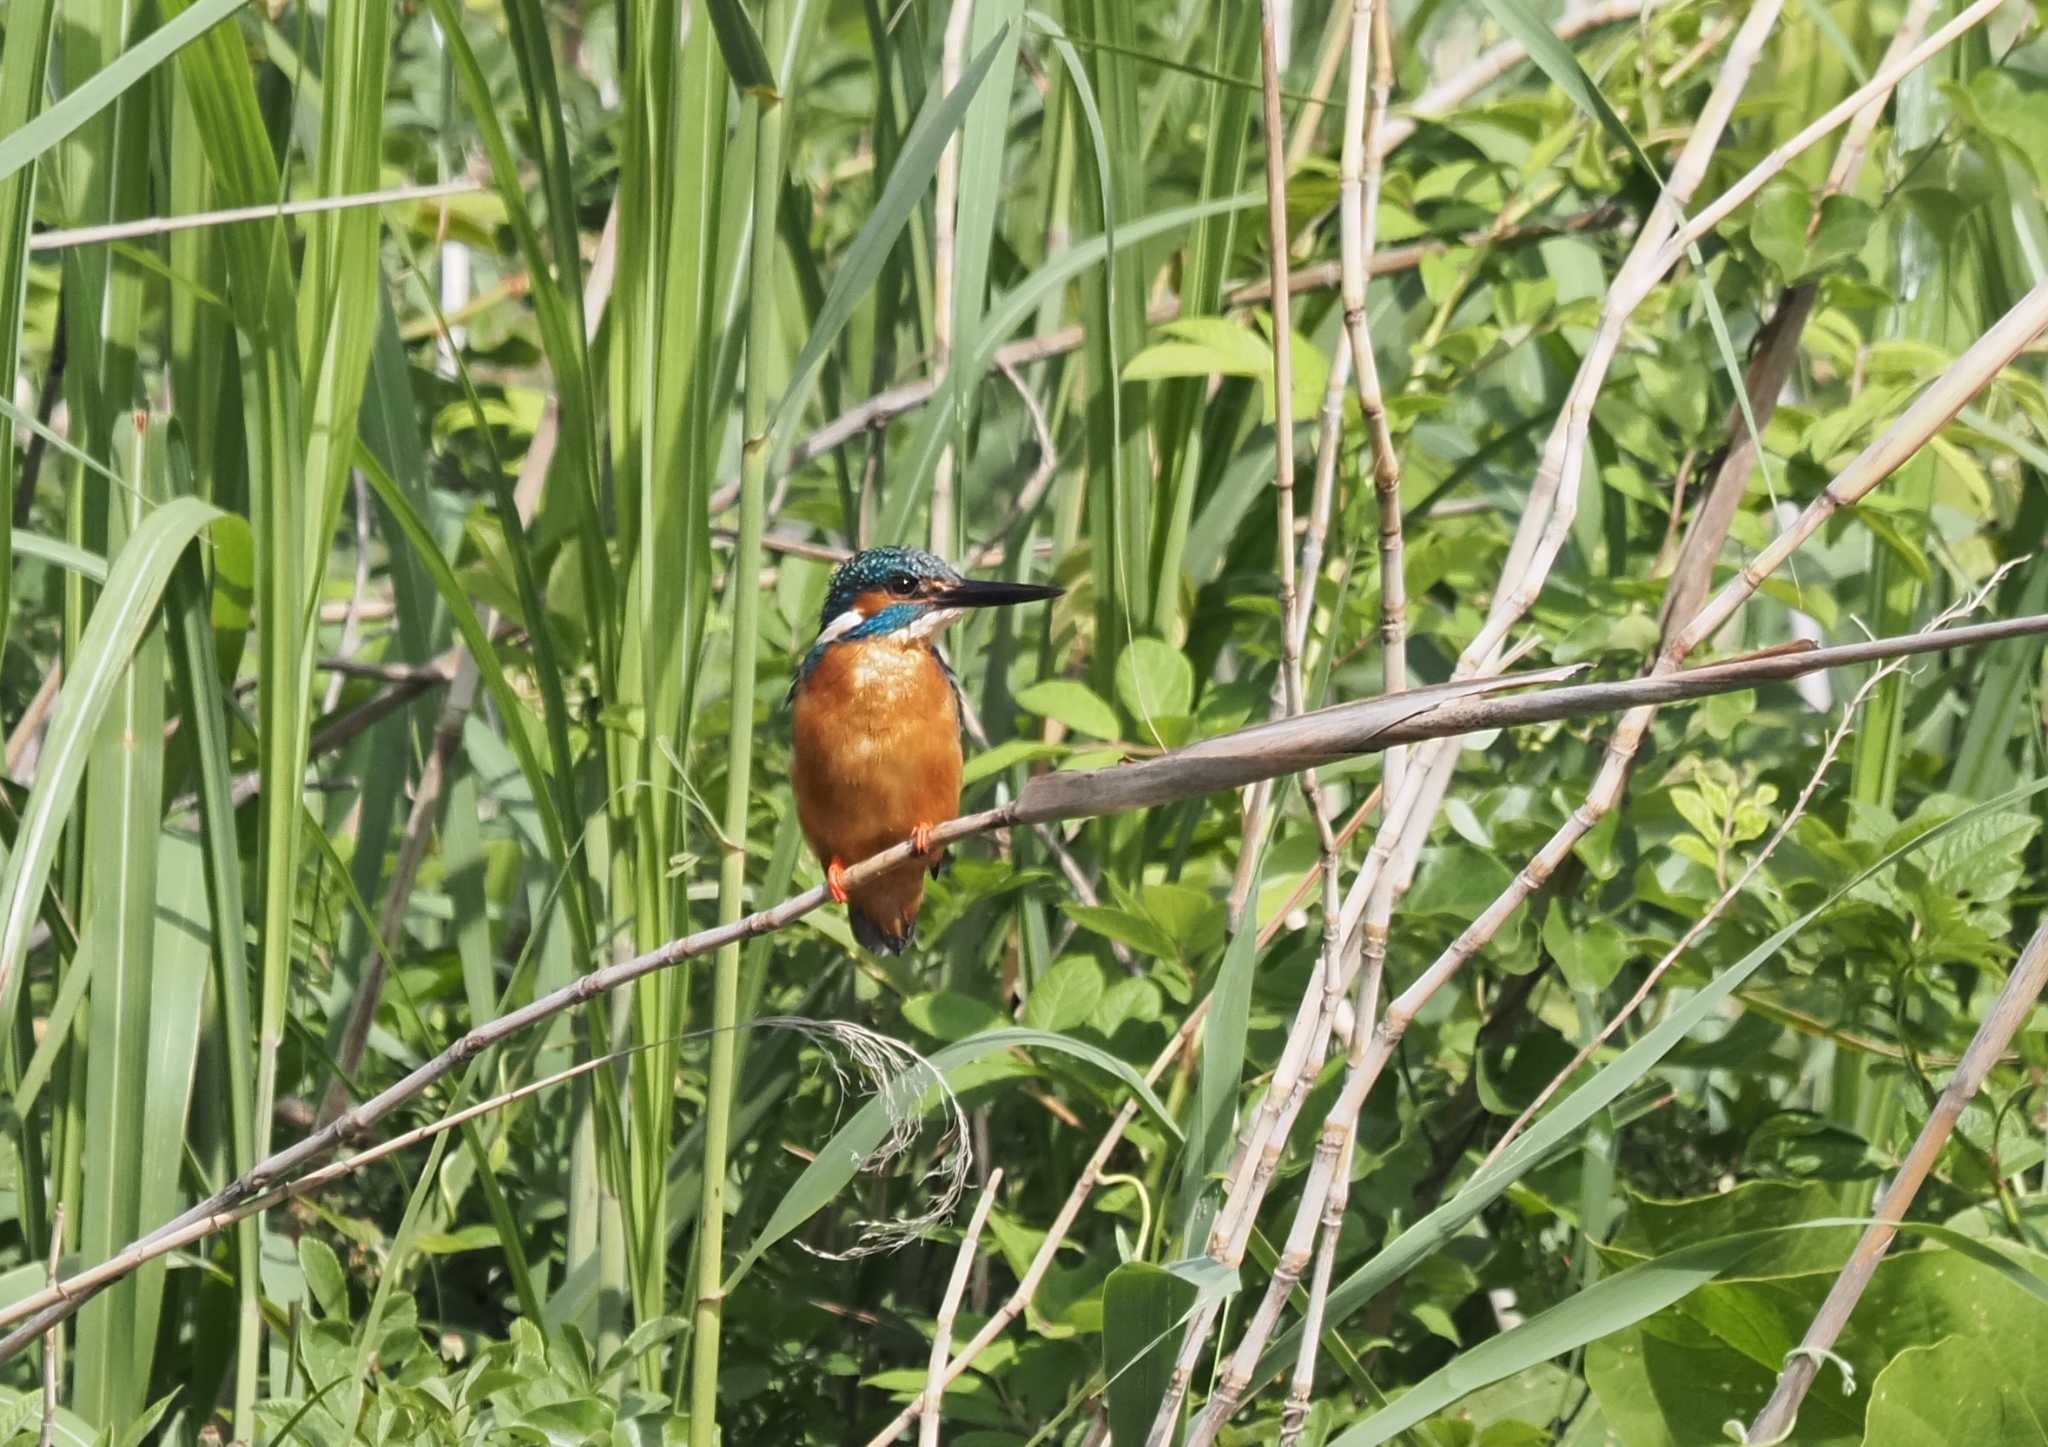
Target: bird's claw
921, 838
835, 880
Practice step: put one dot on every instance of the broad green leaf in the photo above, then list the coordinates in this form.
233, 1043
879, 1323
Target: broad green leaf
1125, 927
1154, 678
1066, 997
1984, 1386
324, 1278
1072, 703
1143, 1307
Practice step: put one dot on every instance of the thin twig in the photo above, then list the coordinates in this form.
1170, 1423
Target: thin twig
1034, 489
1359, 190
942, 1333
53, 1339
160, 225
2014, 1004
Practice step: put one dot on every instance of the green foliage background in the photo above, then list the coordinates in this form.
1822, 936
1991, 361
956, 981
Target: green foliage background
549, 420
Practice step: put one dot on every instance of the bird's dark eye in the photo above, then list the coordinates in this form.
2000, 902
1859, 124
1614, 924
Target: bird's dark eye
903, 585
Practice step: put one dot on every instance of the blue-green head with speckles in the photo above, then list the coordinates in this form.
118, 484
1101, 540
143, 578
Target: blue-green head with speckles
903, 594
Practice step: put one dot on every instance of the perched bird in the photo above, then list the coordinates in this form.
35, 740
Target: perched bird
877, 714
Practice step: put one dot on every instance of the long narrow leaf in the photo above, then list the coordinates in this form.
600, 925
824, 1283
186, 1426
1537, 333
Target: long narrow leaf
135, 583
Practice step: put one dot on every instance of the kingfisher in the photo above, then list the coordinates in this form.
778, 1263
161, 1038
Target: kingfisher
877, 723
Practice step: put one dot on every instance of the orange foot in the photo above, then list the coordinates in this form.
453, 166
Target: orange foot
835, 879
921, 838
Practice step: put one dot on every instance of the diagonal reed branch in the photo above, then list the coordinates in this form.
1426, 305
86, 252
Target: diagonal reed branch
942, 1333
1264, 751
2008, 1013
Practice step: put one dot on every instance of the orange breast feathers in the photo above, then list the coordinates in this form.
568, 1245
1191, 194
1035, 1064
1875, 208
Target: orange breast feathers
877, 734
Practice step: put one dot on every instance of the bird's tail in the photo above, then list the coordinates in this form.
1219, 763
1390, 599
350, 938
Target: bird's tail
874, 937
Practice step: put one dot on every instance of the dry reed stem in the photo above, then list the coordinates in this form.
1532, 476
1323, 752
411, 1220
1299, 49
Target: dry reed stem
1553, 493
1283, 346
942, 1333
1360, 176
1290, 1084
160, 225
53, 1339
2014, 1004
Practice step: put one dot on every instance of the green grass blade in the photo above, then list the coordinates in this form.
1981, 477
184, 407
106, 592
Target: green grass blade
864, 259
58, 553
1209, 1128
115, 629
124, 806
1008, 312
745, 60
31, 140
22, 68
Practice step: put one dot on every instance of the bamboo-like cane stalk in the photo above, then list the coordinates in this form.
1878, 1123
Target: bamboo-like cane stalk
1360, 175
2014, 1004
722, 1080
1264, 751
53, 1339
1283, 347
942, 1332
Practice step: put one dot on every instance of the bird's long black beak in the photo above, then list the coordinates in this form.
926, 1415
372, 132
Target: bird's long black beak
977, 593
